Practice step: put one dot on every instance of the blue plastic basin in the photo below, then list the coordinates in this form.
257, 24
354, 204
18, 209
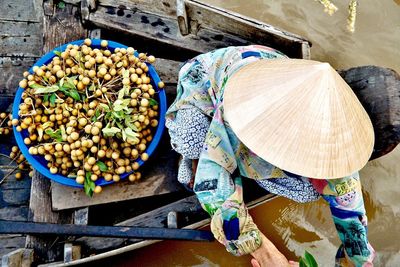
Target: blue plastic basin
40, 164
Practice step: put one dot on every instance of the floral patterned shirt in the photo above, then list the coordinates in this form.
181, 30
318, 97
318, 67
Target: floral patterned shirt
198, 130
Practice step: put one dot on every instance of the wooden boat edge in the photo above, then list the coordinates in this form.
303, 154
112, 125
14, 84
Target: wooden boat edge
141, 244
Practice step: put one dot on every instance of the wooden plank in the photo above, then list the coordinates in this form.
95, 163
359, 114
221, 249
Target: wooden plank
157, 179
9, 243
221, 20
18, 258
163, 7
20, 39
11, 70
21, 10
46, 248
154, 218
63, 27
164, 30
81, 216
71, 252
141, 244
208, 24
12, 227
188, 209
168, 70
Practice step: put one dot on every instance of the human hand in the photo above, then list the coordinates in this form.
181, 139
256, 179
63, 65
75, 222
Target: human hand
268, 255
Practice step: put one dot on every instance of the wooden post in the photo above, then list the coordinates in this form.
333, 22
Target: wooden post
182, 17
18, 258
46, 248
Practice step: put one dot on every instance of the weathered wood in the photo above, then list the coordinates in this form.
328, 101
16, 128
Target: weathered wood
172, 219
182, 17
141, 244
157, 179
189, 211
210, 27
9, 243
165, 30
11, 70
12, 227
63, 27
46, 248
71, 252
378, 90
154, 218
86, 7
18, 258
20, 39
164, 7
202, 15
14, 195
20, 10
81, 216
48, 7
168, 70
95, 33
221, 20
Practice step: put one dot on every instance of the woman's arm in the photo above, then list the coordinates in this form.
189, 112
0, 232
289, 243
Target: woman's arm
348, 212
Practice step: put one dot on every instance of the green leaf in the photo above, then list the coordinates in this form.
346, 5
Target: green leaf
46, 125
131, 125
121, 94
118, 115
123, 135
46, 97
61, 5
96, 115
92, 87
56, 135
58, 53
35, 86
107, 132
89, 185
50, 89
125, 74
105, 107
153, 102
74, 94
69, 82
103, 167
307, 260
53, 98
130, 133
302, 263
310, 259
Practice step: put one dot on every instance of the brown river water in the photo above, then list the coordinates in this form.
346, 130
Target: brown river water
297, 227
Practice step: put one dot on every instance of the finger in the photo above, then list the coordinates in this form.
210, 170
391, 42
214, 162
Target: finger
293, 263
255, 263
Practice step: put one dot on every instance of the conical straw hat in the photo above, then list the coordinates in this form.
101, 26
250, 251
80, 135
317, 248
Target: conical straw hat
300, 116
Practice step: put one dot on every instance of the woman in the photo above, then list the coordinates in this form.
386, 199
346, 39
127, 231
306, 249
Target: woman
252, 95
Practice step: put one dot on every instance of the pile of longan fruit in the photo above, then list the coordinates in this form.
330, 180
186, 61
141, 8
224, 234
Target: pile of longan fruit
90, 113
